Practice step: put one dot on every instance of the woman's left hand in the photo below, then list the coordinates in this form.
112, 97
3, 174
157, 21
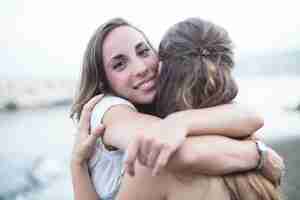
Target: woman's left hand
274, 167
155, 146
85, 139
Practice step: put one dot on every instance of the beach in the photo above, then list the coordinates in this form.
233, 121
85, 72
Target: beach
35, 93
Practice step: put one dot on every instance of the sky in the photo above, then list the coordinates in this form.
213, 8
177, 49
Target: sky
48, 38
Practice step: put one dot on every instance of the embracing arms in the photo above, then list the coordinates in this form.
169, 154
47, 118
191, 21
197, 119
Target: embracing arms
152, 140
207, 154
193, 153
231, 120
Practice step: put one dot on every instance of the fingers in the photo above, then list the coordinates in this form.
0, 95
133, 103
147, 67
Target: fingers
145, 149
132, 153
278, 163
153, 155
92, 138
84, 123
274, 168
99, 130
162, 160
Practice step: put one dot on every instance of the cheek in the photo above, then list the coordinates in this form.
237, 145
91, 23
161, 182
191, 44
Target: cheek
118, 80
153, 61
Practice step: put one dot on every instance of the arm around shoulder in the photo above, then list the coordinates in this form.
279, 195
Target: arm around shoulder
214, 155
231, 120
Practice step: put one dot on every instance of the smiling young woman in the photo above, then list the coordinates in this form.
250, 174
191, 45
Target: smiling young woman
130, 64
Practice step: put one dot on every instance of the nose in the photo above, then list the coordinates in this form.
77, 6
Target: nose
140, 68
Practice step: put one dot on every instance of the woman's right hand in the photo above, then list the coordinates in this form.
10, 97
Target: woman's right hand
85, 139
155, 146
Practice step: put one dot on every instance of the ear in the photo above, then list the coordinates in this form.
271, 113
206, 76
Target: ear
159, 67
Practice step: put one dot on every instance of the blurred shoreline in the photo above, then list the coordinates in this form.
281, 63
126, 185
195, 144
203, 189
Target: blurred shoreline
18, 94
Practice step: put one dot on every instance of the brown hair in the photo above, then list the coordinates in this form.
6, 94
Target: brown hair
93, 79
197, 59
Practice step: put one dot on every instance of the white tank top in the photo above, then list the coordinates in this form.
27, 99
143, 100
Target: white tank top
106, 167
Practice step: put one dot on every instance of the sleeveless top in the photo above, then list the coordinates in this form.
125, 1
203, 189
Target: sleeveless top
105, 166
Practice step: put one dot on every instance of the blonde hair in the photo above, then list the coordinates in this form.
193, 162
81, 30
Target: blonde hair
250, 186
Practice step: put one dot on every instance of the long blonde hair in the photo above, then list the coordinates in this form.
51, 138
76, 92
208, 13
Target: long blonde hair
197, 59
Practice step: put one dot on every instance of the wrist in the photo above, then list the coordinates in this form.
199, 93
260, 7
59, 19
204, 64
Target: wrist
77, 169
78, 163
262, 150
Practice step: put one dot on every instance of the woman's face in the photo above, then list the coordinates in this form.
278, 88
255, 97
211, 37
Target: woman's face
130, 64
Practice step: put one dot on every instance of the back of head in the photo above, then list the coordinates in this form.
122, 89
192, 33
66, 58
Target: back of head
197, 59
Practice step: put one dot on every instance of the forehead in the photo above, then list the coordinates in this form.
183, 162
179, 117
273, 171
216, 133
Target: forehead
121, 40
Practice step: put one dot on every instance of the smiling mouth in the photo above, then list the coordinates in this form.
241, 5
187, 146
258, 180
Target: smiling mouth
146, 85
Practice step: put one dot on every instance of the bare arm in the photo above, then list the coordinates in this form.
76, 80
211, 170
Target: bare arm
231, 120
210, 154
82, 150
82, 185
214, 155
124, 125
219, 155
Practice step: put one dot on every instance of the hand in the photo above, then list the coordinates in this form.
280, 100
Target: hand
273, 168
86, 140
155, 146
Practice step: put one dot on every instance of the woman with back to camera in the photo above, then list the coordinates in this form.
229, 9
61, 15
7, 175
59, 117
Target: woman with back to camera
120, 61
197, 60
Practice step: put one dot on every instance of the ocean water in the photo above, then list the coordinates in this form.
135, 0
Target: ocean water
275, 98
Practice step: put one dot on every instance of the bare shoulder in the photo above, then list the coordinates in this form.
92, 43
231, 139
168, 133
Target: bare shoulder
143, 185
118, 113
123, 123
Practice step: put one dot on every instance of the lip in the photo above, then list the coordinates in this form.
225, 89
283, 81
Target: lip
150, 81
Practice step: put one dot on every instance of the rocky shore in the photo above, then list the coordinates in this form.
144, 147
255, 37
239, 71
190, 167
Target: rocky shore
30, 94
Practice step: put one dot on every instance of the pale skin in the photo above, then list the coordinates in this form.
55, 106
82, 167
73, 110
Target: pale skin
140, 133
144, 141
182, 160
167, 186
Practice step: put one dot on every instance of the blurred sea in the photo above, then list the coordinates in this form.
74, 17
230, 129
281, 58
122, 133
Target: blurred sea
35, 145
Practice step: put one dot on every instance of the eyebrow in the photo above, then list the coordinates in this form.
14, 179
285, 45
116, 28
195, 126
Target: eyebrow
116, 57
121, 56
139, 45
